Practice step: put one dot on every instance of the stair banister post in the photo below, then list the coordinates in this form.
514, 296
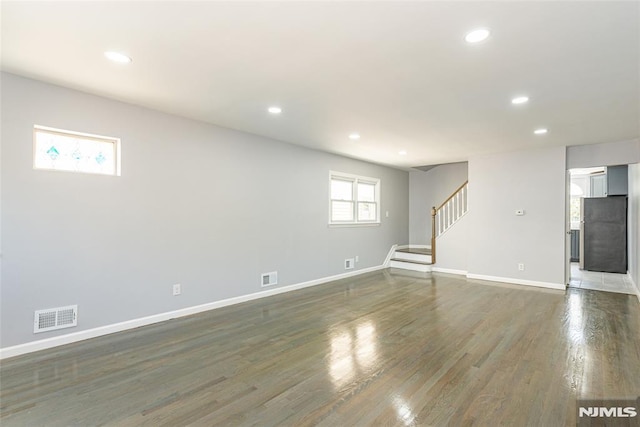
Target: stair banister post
433, 235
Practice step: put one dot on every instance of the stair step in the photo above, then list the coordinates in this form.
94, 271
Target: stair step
405, 264
412, 257
421, 251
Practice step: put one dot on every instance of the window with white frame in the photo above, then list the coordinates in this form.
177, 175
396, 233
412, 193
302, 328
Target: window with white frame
353, 199
62, 150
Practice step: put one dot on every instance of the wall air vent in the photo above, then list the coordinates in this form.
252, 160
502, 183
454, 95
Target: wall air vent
270, 279
55, 318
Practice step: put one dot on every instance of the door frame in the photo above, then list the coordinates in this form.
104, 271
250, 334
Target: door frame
567, 228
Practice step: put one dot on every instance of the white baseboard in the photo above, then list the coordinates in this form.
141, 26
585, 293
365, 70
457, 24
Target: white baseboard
549, 285
408, 265
635, 285
387, 260
44, 344
449, 271
509, 280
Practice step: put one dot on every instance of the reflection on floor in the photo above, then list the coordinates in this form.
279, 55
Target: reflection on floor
597, 281
377, 349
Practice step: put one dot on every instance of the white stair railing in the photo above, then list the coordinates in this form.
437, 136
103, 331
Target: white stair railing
447, 214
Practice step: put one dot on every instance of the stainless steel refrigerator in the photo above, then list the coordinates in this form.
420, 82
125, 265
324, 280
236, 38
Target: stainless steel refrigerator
603, 234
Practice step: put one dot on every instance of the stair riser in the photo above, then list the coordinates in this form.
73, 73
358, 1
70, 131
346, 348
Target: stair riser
412, 257
410, 266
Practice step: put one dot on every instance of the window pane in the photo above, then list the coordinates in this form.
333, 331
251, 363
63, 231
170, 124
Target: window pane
366, 192
74, 153
576, 190
575, 209
366, 211
341, 211
341, 190
353, 199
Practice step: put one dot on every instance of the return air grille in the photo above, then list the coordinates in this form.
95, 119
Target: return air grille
55, 318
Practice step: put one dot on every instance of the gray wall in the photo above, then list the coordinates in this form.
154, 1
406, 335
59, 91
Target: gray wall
491, 240
605, 154
499, 184
634, 223
451, 247
207, 207
429, 189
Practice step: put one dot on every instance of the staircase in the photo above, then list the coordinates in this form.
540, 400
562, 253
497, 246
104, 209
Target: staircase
442, 218
415, 259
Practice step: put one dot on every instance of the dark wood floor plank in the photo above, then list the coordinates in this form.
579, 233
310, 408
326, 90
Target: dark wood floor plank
376, 349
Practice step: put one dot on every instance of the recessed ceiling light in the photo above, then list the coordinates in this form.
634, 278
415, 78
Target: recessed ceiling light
275, 110
354, 136
476, 36
117, 57
540, 131
402, 153
520, 100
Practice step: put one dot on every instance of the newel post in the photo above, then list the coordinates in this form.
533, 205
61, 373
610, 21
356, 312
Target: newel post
433, 235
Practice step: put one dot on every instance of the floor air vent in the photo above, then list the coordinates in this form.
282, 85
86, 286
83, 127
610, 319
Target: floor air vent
55, 318
269, 279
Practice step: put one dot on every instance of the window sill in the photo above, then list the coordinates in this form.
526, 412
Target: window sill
354, 224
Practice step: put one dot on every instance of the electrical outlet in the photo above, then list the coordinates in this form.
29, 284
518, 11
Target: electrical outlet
521, 266
348, 263
357, 258
177, 289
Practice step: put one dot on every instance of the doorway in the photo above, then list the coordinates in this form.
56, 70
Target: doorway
595, 260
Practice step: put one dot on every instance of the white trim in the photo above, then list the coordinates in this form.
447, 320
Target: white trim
449, 271
447, 229
353, 224
408, 265
410, 256
69, 133
635, 286
392, 251
44, 344
355, 180
75, 133
353, 177
549, 285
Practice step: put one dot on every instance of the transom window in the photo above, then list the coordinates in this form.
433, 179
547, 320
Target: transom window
353, 199
61, 150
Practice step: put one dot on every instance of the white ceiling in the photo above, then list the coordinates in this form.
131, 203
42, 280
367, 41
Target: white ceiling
398, 73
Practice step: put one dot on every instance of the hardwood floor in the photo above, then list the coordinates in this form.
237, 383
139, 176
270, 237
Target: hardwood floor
377, 349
